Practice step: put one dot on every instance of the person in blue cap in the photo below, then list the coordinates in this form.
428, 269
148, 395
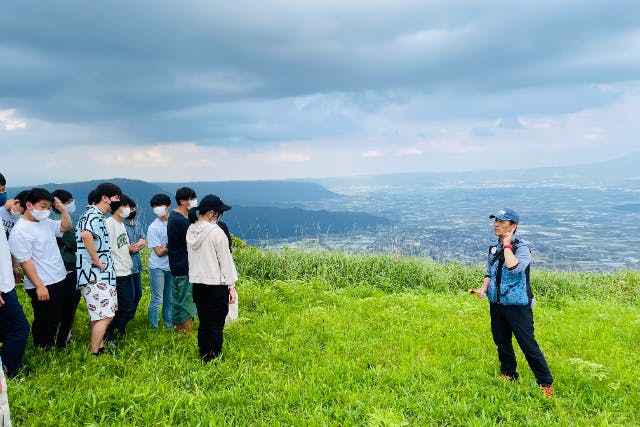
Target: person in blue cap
506, 284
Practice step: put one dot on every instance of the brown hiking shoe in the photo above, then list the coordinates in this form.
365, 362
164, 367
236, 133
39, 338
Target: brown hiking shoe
507, 377
547, 390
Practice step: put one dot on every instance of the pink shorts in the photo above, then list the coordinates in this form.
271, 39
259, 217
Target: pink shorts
101, 299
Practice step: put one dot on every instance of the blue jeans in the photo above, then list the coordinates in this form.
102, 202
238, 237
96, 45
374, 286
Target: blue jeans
126, 307
161, 282
137, 288
14, 332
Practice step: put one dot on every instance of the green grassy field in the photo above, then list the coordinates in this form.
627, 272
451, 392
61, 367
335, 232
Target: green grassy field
343, 340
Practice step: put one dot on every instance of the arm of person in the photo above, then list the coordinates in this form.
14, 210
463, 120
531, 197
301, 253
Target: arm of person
516, 262
225, 260
161, 250
30, 270
65, 218
90, 246
17, 275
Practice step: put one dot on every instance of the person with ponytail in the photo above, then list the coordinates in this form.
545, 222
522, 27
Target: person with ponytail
212, 273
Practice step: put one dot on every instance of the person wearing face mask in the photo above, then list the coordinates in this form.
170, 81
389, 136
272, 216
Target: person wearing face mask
183, 310
123, 264
14, 327
33, 244
94, 263
506, 284
70, 296
160, 277
12, 210
138, 242
212, 272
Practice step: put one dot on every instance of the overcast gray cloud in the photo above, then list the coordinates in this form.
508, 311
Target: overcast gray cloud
284, 88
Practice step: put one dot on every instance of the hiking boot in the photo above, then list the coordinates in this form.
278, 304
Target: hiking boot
507, 377
547, 390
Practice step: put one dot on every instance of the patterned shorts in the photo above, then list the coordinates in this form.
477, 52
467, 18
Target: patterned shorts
101, 299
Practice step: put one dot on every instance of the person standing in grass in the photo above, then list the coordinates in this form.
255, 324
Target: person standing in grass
70, 296
506, 283
122, 263
33, 244
183, 310
160, 277
94, 264
5, 413
212, 272
138, 242
14, 327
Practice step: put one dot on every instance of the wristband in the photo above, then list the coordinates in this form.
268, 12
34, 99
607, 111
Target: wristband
508, 246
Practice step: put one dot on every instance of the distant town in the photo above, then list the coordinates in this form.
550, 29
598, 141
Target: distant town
568, 228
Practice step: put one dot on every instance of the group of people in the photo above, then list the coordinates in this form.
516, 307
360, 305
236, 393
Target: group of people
191, 270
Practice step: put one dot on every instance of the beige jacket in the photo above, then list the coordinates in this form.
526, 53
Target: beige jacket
210, 260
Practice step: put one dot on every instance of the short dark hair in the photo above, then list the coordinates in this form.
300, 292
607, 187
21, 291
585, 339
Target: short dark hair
63, 195
22, 198
185, 193
125, 200
132, 203
107, 189
92, 197
38, 194
160, 200
3, 181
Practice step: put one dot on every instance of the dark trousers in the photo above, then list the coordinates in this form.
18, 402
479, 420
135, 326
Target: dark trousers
126, 307
14, 333
212, 303
69, 299
517, 320
46, 316
136, 278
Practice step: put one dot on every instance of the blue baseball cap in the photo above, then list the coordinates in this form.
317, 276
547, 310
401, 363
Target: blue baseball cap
506, 214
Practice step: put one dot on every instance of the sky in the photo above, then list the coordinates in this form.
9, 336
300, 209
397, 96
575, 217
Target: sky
217, 90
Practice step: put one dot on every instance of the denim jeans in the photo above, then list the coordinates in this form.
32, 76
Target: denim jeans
161, 282
126, 307
137, 288
14, 333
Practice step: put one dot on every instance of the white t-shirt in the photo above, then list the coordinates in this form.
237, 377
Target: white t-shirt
157, 236
8, 220
36, 240
7, 283
119, 247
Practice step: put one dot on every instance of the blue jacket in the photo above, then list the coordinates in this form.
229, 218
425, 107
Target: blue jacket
513, 289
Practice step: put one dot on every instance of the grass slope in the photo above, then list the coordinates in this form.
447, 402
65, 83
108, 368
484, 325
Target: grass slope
312, 350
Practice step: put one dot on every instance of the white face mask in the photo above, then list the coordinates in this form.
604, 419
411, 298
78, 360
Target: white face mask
16, 214
193, 203
160, 211
41, 215
125, 212
71, 207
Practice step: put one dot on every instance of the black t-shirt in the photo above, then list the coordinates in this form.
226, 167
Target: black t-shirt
177, 244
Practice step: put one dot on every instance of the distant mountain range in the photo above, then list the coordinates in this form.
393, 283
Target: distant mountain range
261, 209
620, 172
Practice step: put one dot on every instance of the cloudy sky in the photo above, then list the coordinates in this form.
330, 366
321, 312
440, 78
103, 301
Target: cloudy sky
217, 90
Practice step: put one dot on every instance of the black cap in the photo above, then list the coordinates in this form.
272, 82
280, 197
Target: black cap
212, 203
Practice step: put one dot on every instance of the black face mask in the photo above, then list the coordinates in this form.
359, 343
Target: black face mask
132, 215
115, 205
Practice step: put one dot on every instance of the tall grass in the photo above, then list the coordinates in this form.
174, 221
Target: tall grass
394, 273
345, 340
